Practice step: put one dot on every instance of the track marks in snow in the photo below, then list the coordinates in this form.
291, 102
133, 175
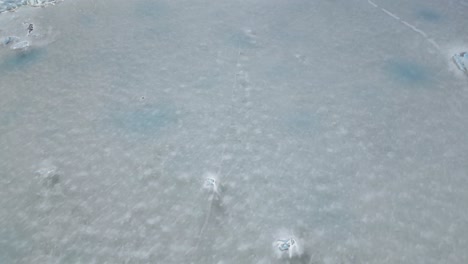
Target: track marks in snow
406, 24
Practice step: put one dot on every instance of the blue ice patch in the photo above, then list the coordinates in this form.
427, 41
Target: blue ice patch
301, 123
301, 120
284, 71
152, 11
428, 15
20, 60
150, 8
147, 121
87, 20
7, 118
242, 40
407, 72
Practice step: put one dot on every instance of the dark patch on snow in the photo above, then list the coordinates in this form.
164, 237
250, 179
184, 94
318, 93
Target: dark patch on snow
407, 72
429, 15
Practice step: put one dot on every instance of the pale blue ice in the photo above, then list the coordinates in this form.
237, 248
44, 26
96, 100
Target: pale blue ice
339, 125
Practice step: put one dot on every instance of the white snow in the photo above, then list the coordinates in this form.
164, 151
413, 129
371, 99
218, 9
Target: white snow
341, 124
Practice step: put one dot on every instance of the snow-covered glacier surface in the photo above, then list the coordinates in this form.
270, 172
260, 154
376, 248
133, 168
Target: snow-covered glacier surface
265, 131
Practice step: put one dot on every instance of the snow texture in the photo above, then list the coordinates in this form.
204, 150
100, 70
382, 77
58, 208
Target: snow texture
194, 131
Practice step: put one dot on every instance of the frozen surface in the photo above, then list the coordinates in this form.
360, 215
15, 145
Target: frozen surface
199, 131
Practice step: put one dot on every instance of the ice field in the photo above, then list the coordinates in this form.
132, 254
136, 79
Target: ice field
229, 132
